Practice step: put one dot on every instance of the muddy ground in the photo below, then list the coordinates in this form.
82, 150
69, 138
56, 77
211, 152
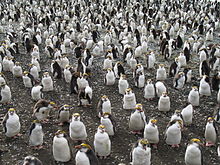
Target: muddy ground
12, 151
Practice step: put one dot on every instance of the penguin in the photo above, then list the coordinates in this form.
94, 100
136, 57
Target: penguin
132, 62
85, 155
31, 160
160, 88
179, 41
187, 115
216, 81
182, 60
5, 92
141, 153
104, 106
28, 79
188, 74
11, 124
74, 84
140, 80
109, 123
137, 120
36, 93
77, 129
88, 58
151, 133
102, 143
176, 116
150, 60
210, 132
68, 73
34, 72
161, 73
129, 99
164, 102
186, 53
6, 64
118, 70
174, 68
204, 68
2, 78
17, 70
107, 63
204, 87
61, 149
193, 97
109, 77
47, 82
193, 154
36, 135
42, 109
56, 70
173, 133
82, 82
179, 80
64, 114
85, 96
122, 84
149, 90
64, 61
35, 62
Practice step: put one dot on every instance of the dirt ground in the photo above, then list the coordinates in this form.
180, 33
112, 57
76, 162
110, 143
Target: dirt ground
12, 151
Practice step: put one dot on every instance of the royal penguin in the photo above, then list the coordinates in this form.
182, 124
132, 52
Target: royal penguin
109, 77
36, 92
28, 79
56, 69
193, 97
5, 93
141, 153
150, 60
83, 81
42, 109
31, 160
74, 83
85, 155
6, 64
102, 143
47, 82
173, 133
17, 70
11, 124
35, 62
187, 114
36, 135
129, 99
107, 63
151, 132
204, 87
164, 102
161, 73
182, 60
88, 58
160, 88
61, 148
104, 106
210, 132
85, 96
77, 129
68, 73
149, 90
119, 70
34, 71
137, 120
109, 123
179, 80
193, 154
64, 114
204, 68
188, 74
122, 84
2, 78
174, 68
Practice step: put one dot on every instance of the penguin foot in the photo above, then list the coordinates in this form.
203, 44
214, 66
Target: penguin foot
154, 146
19, 134
60, 124
175, 145
209, 144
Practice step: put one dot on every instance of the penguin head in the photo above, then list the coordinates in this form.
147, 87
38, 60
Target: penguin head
11, 111
153, 121
195, 88
123, 77
83, 147
85, 75
59, 133
104, 98
161, 66
66, 107
25, 73
46, 74
195, 141
17, 63
101, 128
76, 116
164, 94
177, 112
109, 70
143, 143
128, 90
139, 107
210, 120
2, 84
149, 81
176, 59
106, 114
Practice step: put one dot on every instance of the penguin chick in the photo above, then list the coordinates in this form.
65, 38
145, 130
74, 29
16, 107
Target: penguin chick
36, 135
164, 102
210, 132
149, 90
141, 153
64, 114
151, 132
77, 129
129, 99
61, 150
104, 106
102, 143
193, 97
11, 123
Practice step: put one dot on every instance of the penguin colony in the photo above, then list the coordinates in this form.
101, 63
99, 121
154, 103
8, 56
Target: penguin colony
94, 80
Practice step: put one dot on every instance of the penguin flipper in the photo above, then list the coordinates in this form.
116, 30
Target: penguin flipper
92, 157
99, 107
4, 122
31, 129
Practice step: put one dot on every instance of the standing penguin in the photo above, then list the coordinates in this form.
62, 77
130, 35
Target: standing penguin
85, 96
139, 80
164, 102
151, 132
187, 114
36, 135
56, 70
204, 68
68, 73
141, 153
160, 88
119, 70
64, 114
109, 77
122, 84
193, 97
104, 106
179, 80
5, 96
149, 90
173, 133
108, 121
161, 73
188, 74
17, 70
193, 154
34, 71
174, 68
11, 123
107, 63
77, 129
137, 120
210, 132
61, 149
36, 92
204, 87
85, 155
129, 100
47, 82
102, 143
28, 79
